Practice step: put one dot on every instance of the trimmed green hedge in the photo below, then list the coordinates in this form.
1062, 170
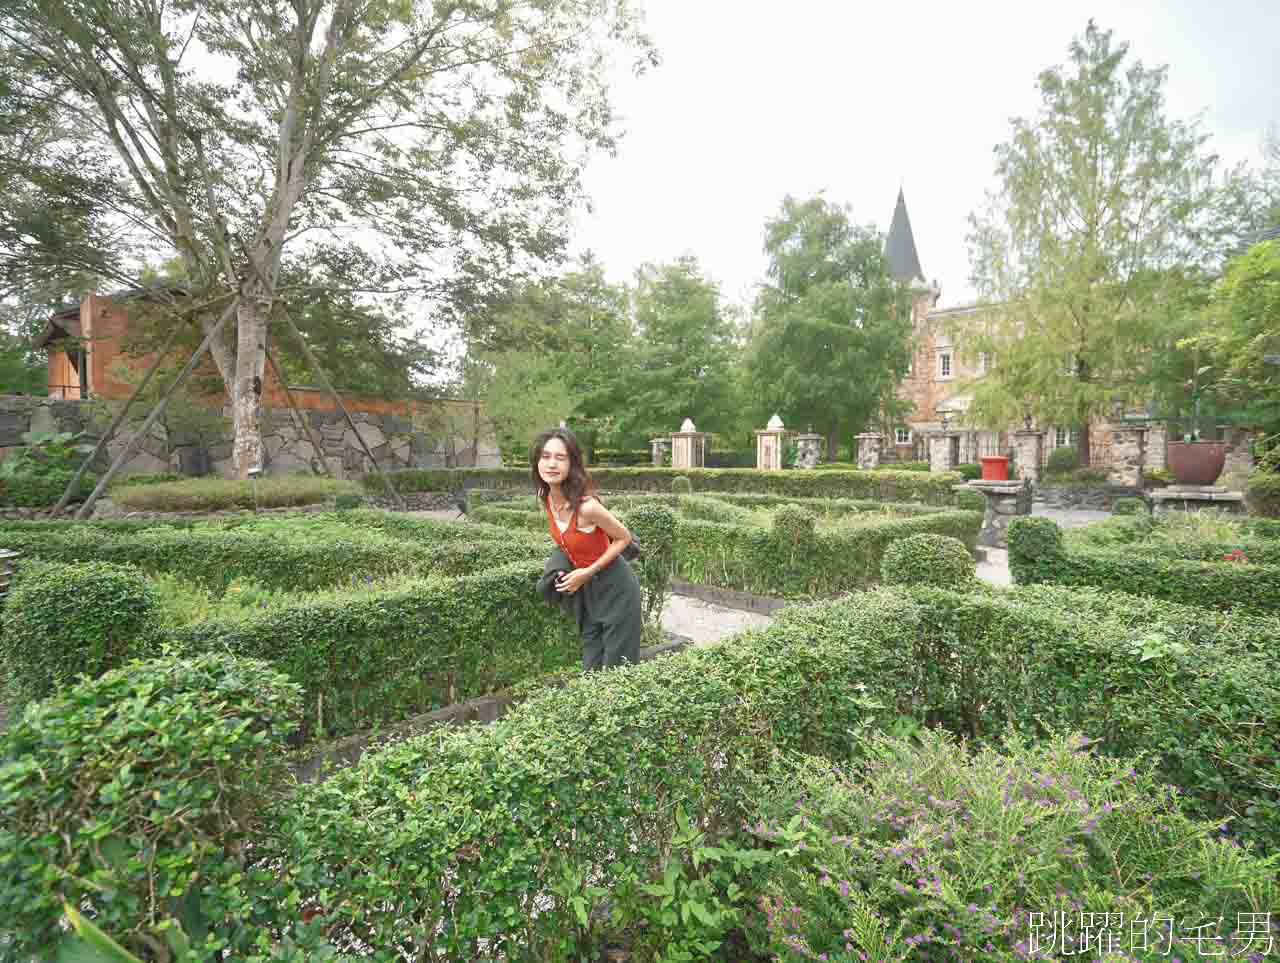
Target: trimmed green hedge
438, 846
60, 621
380, 657
1037, 554
136, 793
1263, 494
773, 562
1198, 690
885, 485
305, 553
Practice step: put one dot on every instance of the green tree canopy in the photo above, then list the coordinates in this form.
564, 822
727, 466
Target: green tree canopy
832, 335
446, 140
680, 363
1091, 249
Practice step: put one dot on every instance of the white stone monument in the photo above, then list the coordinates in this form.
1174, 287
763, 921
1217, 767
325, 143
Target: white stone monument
769, 444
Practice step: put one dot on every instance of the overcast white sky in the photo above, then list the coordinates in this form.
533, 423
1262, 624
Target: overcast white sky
756, 100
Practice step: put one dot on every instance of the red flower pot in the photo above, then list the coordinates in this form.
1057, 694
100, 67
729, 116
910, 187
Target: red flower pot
1197, 462
995, 468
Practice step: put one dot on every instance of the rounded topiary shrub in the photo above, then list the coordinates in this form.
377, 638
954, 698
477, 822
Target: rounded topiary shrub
62, 620
136, 793
794, 526
971, 500
1263, 494
680, 485
347, 502
968, 471
1128, 506
927, 559
1062, 461
654, 524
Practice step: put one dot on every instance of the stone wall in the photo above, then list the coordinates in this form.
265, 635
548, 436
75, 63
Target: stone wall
395, 440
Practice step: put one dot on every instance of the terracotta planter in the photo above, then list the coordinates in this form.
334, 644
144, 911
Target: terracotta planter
995, 468
1196, 462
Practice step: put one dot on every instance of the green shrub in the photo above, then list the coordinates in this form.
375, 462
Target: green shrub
135, 794
927, 559
346, 502
655, 526
364, 657
37, 474
1062, 461
1128, 506
1196, 690
144, 478
302, 553
929, 852
752, 558
60, 621
474, 824
883, 485
916, 466
968, 471
714, 510
1037, 554
44, 489
1263, 494
221, 494
680, 485
1157, 477
970, 500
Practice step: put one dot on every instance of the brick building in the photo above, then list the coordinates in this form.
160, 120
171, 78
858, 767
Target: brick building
85, 346
940, 373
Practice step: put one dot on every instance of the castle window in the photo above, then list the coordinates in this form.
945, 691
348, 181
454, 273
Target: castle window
944, 364
902, 436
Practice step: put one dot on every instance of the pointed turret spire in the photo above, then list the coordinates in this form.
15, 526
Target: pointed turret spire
900, 246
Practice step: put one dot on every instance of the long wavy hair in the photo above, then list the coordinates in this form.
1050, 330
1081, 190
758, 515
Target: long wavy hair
577, 483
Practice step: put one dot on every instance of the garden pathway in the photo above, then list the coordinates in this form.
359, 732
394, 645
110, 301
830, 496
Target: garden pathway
687, 618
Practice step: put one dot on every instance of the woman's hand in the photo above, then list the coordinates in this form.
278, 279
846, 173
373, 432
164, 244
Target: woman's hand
574, 580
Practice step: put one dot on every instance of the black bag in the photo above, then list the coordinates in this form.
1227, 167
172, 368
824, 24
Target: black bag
633, 550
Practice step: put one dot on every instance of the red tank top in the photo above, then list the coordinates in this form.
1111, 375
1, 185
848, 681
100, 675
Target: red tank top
583, 548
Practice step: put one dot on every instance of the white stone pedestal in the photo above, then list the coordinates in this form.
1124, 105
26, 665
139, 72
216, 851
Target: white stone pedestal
688, 446
769, 443
869, 448
1196, 498
808, 450
1005, 501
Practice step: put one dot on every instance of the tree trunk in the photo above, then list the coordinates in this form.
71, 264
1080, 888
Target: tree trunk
1084, 447
246, 401
833, 443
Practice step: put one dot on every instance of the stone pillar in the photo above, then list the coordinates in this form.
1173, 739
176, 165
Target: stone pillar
659, 448
941, 444
808, 450
1128, 447
1027, 446
1239, 459
870, 445
769, 443
1157, 446
688, 446
1006, 500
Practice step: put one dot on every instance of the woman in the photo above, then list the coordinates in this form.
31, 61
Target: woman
588, 569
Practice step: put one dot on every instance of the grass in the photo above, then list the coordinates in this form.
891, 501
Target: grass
219, 494
1197, 536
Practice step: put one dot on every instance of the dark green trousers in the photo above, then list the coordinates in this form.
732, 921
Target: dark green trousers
609, 617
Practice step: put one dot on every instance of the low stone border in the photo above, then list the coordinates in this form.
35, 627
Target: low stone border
482, 710
729, 598
1097, 498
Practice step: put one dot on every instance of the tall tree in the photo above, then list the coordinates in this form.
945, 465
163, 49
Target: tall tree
1087, 249
577, 325
680, 363
1241, 344
447, 137
833, 329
